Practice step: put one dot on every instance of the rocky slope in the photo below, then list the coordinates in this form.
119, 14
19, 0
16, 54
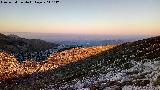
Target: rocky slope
134, 65
11, 68
8, 65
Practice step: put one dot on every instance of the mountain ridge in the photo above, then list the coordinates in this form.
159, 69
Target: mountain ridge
134, 63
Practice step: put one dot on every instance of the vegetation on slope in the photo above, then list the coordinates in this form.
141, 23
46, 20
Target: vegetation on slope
118, 58
10, 67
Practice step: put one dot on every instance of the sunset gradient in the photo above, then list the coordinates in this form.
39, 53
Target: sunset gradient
120, 17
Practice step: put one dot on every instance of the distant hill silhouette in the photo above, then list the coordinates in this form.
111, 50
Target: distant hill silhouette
16, 44
13, 36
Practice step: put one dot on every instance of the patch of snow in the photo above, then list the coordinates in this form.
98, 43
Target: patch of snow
118, 76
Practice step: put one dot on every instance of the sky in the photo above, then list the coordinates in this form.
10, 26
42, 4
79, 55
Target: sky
116, 17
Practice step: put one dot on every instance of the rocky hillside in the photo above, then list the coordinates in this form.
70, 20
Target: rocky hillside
72, 55
134, 65
22, 47
11, 68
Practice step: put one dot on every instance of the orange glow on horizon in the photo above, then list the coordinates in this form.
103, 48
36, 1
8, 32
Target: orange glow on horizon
79, 28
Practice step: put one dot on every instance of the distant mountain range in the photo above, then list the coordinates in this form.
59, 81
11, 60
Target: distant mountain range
128, 65
85, 43
52, 37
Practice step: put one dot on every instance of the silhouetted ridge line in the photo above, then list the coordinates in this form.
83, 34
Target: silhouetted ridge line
26, 48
